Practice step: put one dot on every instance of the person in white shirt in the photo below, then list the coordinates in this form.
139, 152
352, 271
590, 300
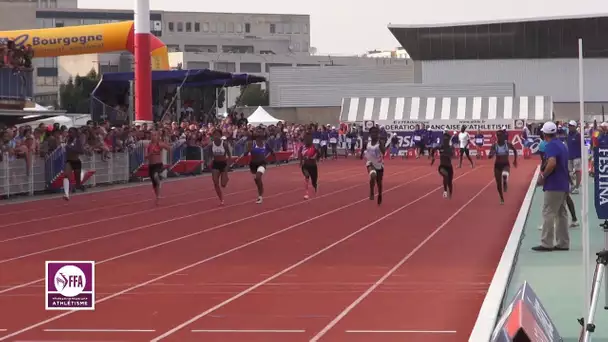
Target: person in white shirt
463, 142
373, 151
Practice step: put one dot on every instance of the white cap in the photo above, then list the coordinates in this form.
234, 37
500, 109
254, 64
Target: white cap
572, 123
549, 128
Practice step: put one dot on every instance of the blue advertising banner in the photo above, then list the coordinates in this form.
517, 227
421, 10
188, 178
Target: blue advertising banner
600, 165
525, 316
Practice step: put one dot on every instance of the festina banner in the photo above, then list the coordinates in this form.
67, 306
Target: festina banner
600, 160
451, 125
406, 140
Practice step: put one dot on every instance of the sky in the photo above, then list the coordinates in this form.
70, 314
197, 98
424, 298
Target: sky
353, 27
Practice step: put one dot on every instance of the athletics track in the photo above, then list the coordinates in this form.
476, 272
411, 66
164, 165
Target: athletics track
333, 268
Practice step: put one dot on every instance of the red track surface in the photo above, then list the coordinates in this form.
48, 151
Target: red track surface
334, 268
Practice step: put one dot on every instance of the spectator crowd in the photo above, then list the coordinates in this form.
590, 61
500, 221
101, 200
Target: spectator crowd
16, 56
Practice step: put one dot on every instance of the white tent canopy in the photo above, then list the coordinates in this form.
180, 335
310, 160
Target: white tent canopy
261, 117
68, 121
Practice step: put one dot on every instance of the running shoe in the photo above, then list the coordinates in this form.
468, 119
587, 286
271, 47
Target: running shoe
66, 197
575, 191
445, 194
574, 224
306, 197
259, 200
379, 199
221, 203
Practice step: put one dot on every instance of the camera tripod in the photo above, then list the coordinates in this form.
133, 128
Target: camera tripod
599, 275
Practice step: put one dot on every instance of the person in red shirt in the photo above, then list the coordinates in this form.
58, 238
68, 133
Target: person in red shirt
308, 155
155, 161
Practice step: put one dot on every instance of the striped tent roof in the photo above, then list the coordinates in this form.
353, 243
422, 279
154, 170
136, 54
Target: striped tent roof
535, 108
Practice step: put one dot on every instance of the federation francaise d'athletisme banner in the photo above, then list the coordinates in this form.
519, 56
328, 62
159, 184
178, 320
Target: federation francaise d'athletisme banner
406, 139
451, 125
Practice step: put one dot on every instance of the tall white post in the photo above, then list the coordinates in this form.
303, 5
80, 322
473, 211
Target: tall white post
584, 186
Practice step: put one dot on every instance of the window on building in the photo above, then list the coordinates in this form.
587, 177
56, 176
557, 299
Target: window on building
180, 27
59, 24
213, 27
230, 28
224, 66
200, 48
221, 27
237, 49
42, 4
273, 28
197, 27
251, 67
52, 3
296, 28
305, 29
205, 27
188, 27
288, 28
247, 28
304, 46
198, 65
46, 81
170, 26
239, 28
173, 48
280, 28
275, 65
90, 21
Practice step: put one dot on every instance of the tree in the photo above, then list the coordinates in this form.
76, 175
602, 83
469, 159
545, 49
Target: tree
76, 92
252, 95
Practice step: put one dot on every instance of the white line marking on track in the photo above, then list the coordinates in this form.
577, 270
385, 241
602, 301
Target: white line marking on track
101, 330
237, 248
197, 233
152, 224
401, 331
301, 262
246, 331
371, 289
210, 198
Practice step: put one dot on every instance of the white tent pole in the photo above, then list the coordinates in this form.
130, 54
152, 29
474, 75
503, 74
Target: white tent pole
585, 185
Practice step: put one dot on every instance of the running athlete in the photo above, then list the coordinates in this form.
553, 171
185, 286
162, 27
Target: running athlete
259, 150
479, 143
308, 162
73, 166
464, 141
155, 161
445, 164
219, 166
374, 153
501, 149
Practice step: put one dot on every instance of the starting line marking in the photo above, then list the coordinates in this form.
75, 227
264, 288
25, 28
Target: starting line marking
101, 330
246, 331
403, 331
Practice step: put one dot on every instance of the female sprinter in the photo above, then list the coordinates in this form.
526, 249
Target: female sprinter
155, 161
308, 162
464, 140
259, 151
73, 166
445, 164
374, 153
479, 143
501, 149
219, 166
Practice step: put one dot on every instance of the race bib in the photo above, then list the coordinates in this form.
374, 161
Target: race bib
323, 143
416, 138
348, 140
316, 141
333, 140
479, 141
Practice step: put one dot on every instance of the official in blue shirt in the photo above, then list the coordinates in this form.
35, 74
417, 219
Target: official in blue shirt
556, 186
575, 164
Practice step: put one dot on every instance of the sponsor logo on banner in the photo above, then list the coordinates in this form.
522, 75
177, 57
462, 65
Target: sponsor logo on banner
368, 124
452, 125
519, 124
406, 140
70, 285
526, 315
59, 43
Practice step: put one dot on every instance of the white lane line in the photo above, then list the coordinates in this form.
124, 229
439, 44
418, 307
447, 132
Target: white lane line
211, 258
401, 331
101, 330
144, 211
246, 331
3, 329
396, 267
16, 287
144, 226
297, 264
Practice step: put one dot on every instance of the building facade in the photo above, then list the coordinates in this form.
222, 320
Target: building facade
213, 40
539, 56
